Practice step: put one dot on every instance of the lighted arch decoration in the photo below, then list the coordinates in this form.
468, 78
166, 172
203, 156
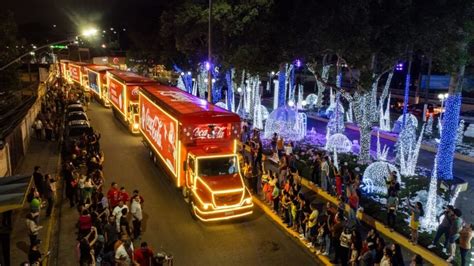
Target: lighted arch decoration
287, 123
221, 105
375, 175
339, 142
311, 99
410, 118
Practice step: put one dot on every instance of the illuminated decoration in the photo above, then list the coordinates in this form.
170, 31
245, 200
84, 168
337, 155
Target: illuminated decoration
384, 117
287, 123
440, 126
429, 127
257, 111
460, 133
276, 93
230, 99
321, 87
469, 131
447, 144
406, 141
180, 84
282, 86
361, 114
338, 142
332, 102
299, 103
382, 154
385, 93
410, 119
374, 115
202, 81
311, 100
408, 163
374, 178
185, 82
336, 120
350, 114
221, 105
291, 82
430, 221
399, 67
335, 160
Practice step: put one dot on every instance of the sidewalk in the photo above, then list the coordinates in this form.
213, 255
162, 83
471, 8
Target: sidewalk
46, 155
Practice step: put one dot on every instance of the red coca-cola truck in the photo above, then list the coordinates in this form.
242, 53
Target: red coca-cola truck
97, 82
123, 96
197, 143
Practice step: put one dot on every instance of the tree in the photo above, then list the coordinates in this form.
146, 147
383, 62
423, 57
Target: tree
8, 50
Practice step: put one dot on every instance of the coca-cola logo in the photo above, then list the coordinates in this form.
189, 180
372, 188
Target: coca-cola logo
177, 96
209, 133
152, 125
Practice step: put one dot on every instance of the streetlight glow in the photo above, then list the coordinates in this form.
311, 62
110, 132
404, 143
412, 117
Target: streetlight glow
89, 32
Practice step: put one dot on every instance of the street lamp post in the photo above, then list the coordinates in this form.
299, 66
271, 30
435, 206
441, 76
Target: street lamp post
442, 97
209, 76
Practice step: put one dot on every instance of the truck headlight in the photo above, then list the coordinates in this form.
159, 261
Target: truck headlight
205, 206
248, 200
135, 125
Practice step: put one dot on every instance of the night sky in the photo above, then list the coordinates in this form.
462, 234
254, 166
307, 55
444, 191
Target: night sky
37, 17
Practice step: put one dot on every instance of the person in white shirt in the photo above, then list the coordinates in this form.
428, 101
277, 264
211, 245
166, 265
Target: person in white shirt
124, 253
38, 126
117, 213
137, 216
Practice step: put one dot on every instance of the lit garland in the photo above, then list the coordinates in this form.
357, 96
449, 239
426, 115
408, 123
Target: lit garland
362, 117
460, 133
311, 100
385, 93
382, 154
349, 114
299, 103
321, 87
447, 144
373, 102
440, 127
408, 163
384, 117
410, 118
335, 160
429, 127
406, 141
282, 86
291, 82
429, 221
230, 90
374, 178
336, 120
257, 110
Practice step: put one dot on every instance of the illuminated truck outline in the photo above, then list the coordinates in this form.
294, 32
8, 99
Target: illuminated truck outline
173, 124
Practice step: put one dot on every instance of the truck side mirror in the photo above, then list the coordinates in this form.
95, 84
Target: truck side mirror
185, 166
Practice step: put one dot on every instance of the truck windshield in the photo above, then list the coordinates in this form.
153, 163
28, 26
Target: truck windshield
217, 166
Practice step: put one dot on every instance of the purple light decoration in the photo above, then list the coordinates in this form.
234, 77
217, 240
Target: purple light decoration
399, 67
207, 65
298, 63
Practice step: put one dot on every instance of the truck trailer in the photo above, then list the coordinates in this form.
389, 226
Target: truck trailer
97, 82
122, 91
197, 144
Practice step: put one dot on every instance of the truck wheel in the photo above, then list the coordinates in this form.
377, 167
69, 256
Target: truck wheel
185, 192
191, 209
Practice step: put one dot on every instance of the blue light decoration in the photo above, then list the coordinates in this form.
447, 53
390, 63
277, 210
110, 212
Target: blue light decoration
230, 91
447, 144
291, 93
217, 84
281, 86
187, 78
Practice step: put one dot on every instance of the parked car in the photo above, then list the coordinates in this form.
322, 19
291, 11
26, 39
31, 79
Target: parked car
467, 116
76, 107
74, 130
76, 115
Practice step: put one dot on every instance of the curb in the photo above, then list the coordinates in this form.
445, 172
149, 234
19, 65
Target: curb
425, 147
380, 227
320, 258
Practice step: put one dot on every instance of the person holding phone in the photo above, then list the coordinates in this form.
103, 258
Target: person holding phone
35, 257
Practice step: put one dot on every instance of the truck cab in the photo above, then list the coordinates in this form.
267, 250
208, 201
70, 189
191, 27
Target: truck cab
214, 185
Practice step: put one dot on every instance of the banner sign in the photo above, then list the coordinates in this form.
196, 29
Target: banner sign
161, 131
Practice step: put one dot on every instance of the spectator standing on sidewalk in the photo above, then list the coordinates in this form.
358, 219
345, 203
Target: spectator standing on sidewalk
443, 228
465, 242
416, 213
397, 256
324, 173
345, 243
33, 227
38, 126
49, 193
137, 216
392, 207
454, 233
39, 180
143, 255
113, 195
35, 256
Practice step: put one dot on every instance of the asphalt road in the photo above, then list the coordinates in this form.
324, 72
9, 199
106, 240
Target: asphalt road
255, 240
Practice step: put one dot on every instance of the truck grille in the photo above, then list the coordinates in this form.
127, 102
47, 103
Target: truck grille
227, 199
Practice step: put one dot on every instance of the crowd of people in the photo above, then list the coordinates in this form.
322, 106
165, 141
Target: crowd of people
327, 227
109, 219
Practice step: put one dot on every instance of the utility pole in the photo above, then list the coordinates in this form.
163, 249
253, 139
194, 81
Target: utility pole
209, 75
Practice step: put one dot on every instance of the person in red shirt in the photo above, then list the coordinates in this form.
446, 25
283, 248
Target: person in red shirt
338, 183
113, 195
143, 255
84, 223
124, 195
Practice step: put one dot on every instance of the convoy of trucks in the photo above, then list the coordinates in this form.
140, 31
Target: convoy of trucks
195, 141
